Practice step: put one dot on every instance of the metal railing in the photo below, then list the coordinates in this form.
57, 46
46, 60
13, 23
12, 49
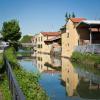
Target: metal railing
16, 92
92, 48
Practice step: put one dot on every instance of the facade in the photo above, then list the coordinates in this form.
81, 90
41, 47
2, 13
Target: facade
41, 45
70, 37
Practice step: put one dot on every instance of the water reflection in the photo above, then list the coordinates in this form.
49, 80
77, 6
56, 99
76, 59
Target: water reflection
80, 83
63, 80
69, 77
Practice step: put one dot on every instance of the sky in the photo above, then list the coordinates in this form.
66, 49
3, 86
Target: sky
35, 16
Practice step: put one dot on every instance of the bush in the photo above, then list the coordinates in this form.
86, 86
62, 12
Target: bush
86, 58
28, 81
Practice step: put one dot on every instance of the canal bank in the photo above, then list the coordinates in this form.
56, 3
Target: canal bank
88, 59
28, 81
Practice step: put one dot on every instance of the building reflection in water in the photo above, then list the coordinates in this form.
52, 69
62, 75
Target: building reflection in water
79, 82
47, 64
69, 77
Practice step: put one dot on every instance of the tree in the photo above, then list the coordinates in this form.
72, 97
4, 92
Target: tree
26, 39
73, 15
11, 31
66, 17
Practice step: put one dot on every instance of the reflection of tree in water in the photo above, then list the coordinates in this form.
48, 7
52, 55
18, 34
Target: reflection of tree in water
87, 89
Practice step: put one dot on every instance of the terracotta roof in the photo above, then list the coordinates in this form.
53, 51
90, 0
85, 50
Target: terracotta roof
52, 39
77, 20
50, 33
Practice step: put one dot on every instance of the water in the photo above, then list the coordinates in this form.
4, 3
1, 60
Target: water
63, 80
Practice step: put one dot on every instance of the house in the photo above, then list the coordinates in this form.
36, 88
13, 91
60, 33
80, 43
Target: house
55, 43
69, 36
40, 40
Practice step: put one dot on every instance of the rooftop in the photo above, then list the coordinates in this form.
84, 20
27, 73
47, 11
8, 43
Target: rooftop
77, 20
89, 23
50, 33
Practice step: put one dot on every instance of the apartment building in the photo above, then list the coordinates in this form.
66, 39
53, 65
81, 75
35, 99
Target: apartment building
69, 36
40, 40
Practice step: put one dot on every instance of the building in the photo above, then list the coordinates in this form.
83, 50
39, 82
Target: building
69, 36
40, 40
89, 32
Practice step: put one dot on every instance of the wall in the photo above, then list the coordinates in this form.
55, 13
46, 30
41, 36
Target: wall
69, 39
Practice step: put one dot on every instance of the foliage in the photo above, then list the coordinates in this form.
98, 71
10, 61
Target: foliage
5, 88
26, 39
11, 30
11, 55
29, 84
1, 58
68, 16
86, 58
28, 81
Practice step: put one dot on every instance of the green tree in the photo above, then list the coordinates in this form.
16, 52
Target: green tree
26, 39
11, 31
66, 17
73, 15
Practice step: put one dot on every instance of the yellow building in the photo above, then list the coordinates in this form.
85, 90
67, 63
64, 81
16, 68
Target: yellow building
69, 77
40, 41
69, 36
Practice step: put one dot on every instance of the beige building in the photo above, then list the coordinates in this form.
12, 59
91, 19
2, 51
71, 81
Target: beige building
69, 36
69, 77
40, 40
79, 31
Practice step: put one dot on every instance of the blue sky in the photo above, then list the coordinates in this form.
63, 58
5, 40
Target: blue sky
46, 15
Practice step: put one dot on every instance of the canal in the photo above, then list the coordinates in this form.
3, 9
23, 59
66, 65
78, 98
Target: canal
63, 80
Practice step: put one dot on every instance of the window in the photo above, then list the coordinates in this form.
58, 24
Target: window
67, 35
41, 45
41, 38
68, 44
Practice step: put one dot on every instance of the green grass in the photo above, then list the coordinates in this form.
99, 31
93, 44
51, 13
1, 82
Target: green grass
4, 88
29, 82
86, 58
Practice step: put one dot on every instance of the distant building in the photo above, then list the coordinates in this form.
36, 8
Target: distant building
42, 46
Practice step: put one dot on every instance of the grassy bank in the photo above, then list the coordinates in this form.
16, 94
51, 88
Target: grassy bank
4, 88
28, 81
86, 58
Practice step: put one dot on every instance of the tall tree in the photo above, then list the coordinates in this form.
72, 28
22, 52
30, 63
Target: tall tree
73, 15
11, 31
66, 17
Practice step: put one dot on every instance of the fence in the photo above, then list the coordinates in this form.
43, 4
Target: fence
16, 92
92, 48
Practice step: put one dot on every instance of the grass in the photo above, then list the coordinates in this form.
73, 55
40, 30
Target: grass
29, 82
86, 58
4, 88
